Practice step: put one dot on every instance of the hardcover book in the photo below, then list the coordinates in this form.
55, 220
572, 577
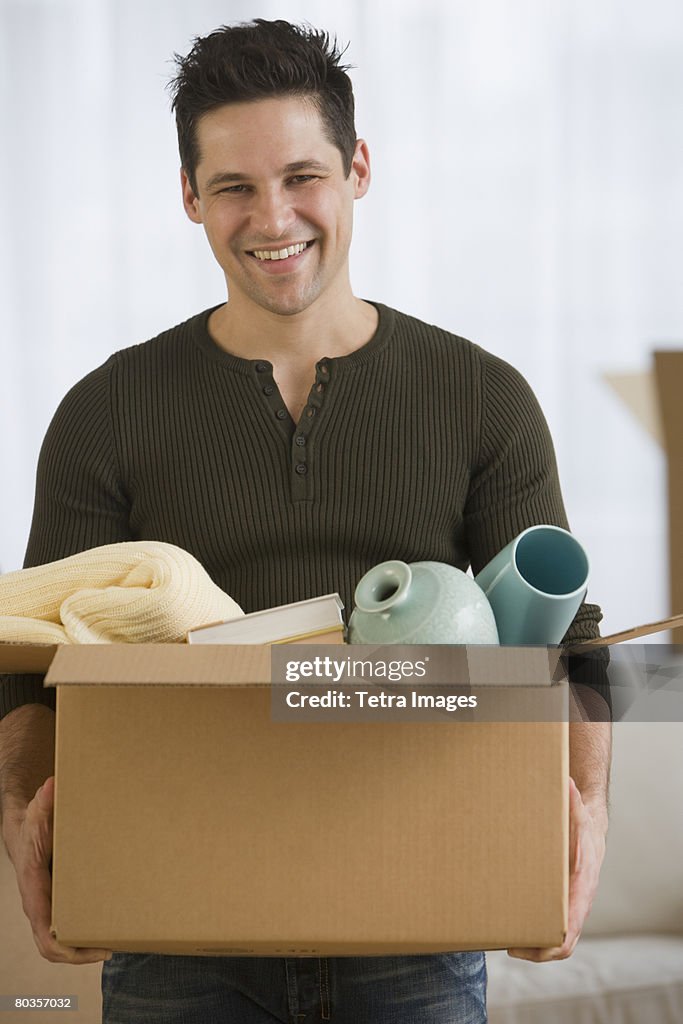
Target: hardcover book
317, 620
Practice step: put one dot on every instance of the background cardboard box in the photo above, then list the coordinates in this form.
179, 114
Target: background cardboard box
655, 400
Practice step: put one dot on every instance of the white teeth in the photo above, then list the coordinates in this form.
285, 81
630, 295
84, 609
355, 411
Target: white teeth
280, 254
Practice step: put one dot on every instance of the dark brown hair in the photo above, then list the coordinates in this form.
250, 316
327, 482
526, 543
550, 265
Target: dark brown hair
256, 60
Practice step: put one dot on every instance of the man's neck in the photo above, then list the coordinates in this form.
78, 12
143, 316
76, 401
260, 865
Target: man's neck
325, 329
294, 344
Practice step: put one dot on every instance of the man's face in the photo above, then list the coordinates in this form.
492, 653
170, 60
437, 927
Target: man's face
269, 181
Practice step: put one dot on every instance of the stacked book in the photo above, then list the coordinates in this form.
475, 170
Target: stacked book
317, 620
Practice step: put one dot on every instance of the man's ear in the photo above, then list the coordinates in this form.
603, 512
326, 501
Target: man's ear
190, 200
360, 168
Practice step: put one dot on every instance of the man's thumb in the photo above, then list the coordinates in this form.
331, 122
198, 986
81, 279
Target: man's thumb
46, 793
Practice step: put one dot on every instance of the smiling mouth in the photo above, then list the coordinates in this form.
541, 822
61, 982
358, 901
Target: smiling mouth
280, 254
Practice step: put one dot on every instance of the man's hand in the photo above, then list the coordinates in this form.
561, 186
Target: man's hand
28, 836
587, 831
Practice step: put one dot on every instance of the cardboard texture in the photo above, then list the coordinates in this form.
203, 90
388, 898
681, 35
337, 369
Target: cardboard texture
188, 821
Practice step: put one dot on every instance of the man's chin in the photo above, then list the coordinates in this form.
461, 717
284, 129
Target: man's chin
282, 305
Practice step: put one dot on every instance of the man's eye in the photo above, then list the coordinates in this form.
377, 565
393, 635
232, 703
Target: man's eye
233, 189
301, 179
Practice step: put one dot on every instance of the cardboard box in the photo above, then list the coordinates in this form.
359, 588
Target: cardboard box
188, 821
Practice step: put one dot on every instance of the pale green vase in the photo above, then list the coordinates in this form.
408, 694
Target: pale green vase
420, 603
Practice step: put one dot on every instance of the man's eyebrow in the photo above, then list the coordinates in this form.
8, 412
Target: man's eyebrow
306, 165
226, 177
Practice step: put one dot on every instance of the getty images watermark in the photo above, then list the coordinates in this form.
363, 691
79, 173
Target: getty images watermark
477, 683
416, 683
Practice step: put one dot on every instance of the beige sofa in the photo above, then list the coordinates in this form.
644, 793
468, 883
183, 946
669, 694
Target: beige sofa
628, 965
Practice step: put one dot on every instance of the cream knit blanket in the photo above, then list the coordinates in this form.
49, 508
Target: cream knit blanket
133, 592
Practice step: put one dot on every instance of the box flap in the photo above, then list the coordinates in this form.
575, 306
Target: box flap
251, 664
527, 667
638, 391
627, 634
124, 664
26, 658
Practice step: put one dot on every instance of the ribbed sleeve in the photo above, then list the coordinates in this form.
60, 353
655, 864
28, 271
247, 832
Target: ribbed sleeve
80, 499
515, 482
418, 446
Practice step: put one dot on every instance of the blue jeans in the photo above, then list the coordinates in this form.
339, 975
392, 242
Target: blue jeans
442, 988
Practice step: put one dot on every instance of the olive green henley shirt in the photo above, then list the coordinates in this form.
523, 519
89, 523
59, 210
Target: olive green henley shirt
418, 446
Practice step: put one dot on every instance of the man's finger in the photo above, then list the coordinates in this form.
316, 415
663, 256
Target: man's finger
577, 816
54, 951
58, 953
45, 794
545, 955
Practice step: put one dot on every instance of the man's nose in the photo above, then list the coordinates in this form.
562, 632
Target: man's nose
273, 214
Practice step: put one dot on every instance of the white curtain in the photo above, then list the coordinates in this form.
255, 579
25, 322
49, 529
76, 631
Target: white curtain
527, 193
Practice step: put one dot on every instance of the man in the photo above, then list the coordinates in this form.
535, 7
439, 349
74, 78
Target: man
289, 438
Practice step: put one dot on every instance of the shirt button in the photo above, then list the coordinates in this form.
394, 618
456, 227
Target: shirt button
268, 389
320, 388
324, 369
281, 414
300, 440
262, 367
310, 411
301, 468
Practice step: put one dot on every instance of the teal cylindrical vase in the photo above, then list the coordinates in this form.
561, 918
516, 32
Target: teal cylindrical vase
420, 603
536, 584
